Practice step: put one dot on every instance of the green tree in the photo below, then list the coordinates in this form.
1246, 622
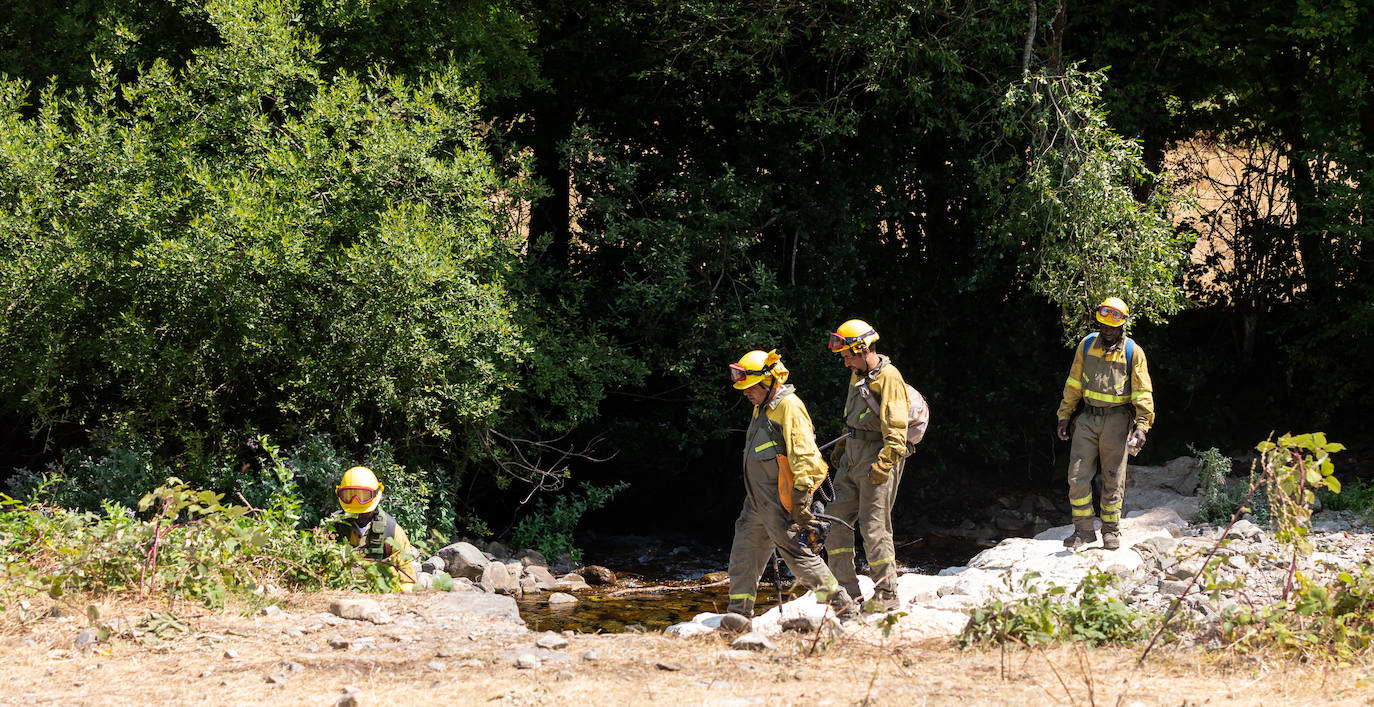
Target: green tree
247, 243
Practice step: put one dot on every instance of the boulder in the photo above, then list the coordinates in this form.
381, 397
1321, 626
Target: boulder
463, 560
532, 558
543, 579
497, 580
1179, 476
572, 582
596, 575
561, 599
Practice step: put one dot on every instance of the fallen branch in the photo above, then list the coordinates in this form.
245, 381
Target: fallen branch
659, 588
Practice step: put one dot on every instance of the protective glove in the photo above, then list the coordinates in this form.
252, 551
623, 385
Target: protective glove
879, 473
801, 509
837, 453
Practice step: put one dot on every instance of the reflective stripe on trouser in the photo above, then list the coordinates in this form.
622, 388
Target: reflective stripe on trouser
1099, 438
757, 532
868, 508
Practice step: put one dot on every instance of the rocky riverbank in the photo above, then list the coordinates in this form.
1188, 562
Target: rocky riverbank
471, 645
1161, 559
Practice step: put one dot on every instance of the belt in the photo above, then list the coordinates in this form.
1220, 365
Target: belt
866, 435
1099, 411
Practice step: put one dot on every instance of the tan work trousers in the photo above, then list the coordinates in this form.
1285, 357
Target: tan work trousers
869, 509
1099, 436
757, 532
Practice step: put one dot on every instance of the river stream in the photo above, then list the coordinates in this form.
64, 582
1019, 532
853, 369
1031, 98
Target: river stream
641, 562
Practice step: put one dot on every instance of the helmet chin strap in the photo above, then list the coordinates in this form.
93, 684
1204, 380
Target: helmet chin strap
366, 519
768, 392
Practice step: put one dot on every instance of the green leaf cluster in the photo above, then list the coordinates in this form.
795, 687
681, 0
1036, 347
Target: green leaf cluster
183, 543
549, 527
1093, 612
1295, 467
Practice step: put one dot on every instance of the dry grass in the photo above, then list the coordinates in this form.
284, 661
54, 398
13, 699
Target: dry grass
42, 667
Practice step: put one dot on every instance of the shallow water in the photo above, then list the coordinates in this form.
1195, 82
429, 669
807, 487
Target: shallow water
644, 562
601, 613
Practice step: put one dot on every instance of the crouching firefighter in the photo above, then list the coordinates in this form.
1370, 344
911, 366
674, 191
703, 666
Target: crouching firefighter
370, 529
782, 471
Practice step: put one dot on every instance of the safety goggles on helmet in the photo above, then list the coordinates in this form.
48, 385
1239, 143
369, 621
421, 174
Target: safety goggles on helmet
356, 495
839, 342
739, 373
1111, 316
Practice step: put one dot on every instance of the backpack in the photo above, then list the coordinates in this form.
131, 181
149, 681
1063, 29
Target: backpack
918, 413
1130, 351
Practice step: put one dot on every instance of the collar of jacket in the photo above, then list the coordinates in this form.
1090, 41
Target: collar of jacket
783, 392
873, 372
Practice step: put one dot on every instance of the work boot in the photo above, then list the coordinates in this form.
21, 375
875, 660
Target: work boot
1111, 536
1083, 534
735, 623
881, 603
846, 609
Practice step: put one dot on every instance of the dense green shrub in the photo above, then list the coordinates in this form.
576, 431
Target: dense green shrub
247, 243
181, 543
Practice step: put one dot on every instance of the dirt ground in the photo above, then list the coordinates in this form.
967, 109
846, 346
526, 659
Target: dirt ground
427, 655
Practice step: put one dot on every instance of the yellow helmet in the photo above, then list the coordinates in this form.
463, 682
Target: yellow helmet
1112, 312
359, 491
855, 335
757, 366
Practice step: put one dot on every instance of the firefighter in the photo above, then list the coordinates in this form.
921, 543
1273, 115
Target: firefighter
1109, 376
370, 529
782, 470
869, 464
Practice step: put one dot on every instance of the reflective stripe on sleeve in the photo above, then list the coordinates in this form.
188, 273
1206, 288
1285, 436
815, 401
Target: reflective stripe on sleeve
1074, 383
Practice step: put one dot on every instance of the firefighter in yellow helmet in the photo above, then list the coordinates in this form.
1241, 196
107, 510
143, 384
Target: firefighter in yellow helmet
869, 464
782, 469
370, 529
1110, 377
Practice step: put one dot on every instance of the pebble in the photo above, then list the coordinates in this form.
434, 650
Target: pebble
526, 661
86, 638
752, 641
437, 666
562, 598
359, 610
351, 697
552, 641
668, 665
592, 655
231, 654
